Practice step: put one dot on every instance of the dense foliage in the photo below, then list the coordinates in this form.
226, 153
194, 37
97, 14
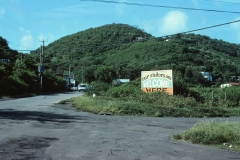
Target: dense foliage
19, 74
113, 51
223, 135
90, 48
122, 51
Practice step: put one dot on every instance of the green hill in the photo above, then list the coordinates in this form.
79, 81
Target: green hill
123, 51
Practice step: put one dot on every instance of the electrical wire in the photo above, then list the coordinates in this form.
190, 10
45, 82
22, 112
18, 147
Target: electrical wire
9, 25
14, 27
222, 1
207, 27
160, 6
121, 43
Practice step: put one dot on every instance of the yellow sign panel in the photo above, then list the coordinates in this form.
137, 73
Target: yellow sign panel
160, 80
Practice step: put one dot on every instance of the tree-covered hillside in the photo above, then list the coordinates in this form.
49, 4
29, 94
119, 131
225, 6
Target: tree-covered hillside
123, 51
19, 74
89, 48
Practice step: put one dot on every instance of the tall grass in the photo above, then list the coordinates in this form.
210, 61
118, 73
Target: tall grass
128, 99
149, 106
224, 135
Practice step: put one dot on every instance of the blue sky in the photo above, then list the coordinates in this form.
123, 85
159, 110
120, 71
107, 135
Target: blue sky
24, 23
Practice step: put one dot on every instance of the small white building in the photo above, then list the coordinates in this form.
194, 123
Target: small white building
228, 84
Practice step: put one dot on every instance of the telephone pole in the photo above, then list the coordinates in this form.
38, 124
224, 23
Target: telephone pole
82, 74
69, 75
40, 67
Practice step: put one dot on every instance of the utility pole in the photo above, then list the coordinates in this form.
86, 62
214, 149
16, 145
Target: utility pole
82, 74
69, 74
40, 67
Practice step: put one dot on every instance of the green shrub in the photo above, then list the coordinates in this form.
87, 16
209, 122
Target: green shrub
212, 132
98, 88
179, 85
125, 90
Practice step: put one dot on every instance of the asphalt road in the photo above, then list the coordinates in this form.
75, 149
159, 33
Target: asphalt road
35, 128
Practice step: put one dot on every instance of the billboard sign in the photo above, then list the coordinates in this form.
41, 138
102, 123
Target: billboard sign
160, 80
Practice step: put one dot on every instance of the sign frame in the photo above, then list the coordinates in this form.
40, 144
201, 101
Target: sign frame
157, 80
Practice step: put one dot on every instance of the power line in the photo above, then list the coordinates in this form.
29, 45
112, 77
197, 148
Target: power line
160, 6
9, 26
13, 27
207, 27
222, 1
121, 43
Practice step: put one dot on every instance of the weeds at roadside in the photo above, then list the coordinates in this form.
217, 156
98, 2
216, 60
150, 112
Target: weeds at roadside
133, 106
225, 135
127, 100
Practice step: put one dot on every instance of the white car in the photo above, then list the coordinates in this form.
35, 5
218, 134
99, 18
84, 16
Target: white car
74, 88
83, 87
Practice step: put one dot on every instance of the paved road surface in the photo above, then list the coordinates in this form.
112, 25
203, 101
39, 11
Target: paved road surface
36, 129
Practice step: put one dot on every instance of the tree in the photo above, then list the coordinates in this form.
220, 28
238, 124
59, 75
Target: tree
105, 74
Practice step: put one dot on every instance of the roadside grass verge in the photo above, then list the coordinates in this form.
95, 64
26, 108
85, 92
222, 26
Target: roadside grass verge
127, 99
131, 106
225, 135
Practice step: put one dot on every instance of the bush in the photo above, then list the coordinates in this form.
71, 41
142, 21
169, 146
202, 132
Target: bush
219, 97
179, 85
125, 90
98, 88
212, 132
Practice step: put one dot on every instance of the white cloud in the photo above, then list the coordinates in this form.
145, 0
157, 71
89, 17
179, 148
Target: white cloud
2, 12
24, 31
236, 27
173, 22
26, 41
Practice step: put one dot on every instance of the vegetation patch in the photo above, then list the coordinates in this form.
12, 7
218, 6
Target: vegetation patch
143, 107
128, 99
223, 135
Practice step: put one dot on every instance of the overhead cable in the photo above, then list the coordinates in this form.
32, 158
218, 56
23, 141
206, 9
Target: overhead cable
219, 1
161, 6
206, 27
121, 43
14, 27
